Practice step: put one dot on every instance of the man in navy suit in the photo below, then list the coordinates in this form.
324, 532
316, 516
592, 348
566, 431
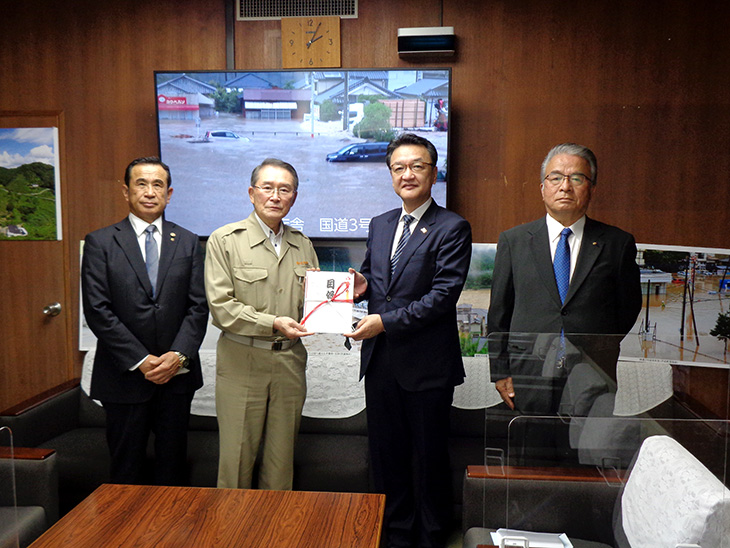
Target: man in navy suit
144, 299
601, 292
411, 358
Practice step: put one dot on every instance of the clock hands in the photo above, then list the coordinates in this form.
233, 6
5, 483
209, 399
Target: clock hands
314, 37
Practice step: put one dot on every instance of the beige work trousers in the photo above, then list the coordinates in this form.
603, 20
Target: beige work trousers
259, 398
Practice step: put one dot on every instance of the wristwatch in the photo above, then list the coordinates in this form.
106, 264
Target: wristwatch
183, 359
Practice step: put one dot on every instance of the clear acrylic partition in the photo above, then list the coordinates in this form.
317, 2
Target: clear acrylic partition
568, 456
8, 499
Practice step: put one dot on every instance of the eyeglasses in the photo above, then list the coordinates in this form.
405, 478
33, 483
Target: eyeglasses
416, 168
576, 179
283, 191
157, 187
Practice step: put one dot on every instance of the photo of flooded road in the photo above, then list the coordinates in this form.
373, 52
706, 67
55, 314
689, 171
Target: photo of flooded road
685, 297
211, 178
333, 126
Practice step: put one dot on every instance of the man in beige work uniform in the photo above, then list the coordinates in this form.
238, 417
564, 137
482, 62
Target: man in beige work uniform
254, 280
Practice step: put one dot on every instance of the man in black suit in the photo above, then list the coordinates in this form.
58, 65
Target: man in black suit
144, 299
601, 293
411, 357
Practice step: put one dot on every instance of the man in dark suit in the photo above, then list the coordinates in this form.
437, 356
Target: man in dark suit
598, 291
144, 299
411, 357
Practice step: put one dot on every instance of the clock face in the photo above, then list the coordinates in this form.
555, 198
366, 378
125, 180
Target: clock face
308, 42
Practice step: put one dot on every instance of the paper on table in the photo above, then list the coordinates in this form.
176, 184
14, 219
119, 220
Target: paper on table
536, 540
328, 302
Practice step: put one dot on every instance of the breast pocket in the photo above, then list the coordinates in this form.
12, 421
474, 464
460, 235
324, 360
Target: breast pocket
180, 269
300, 272
249, 285
420, 268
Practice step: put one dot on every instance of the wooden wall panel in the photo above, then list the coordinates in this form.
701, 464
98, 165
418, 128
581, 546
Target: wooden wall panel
645, 84
624, 78
94, 61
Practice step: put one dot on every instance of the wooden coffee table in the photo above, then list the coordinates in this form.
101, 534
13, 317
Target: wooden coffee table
140, 516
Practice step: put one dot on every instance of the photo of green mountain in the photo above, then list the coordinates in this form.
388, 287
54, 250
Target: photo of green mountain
29, 208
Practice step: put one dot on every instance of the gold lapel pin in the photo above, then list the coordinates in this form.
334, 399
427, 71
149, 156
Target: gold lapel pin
172, 236
424, 229
595, 243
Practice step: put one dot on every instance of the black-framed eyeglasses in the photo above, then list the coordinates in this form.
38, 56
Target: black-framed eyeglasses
415, 167
575, 179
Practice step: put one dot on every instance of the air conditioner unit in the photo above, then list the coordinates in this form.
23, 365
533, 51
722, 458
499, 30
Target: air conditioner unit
261, 10
426, 41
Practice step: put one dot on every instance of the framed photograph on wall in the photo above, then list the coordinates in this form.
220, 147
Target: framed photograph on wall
30, 204
686, 301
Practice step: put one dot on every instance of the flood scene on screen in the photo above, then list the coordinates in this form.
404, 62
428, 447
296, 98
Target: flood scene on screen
333, 126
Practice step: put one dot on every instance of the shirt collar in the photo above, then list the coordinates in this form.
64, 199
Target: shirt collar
139, 226
555, 228
267, 229
416, 213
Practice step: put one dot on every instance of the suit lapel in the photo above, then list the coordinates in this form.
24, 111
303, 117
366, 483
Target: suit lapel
127, 240
540, 250
383, 243
170, 239
590, 249
419, 235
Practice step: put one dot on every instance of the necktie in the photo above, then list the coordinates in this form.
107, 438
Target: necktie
152, 258
407, 219
561, 264
561, 267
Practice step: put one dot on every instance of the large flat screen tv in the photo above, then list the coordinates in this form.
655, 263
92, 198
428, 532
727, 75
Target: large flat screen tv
331, 125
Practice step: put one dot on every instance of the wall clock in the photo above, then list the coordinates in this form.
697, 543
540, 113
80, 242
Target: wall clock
308, 42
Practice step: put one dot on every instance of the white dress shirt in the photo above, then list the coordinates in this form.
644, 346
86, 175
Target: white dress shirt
416, 214
274, 238
555, 228
140, 229
139, 226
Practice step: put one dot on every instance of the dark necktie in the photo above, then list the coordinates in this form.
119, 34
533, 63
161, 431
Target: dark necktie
561, 267
405, 235
152, 258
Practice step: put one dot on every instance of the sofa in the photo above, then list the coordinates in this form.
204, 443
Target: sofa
571, 501
666, 497
28, 494
330, 455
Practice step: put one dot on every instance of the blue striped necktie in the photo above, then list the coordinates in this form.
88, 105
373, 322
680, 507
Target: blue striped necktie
152, 256
405, 235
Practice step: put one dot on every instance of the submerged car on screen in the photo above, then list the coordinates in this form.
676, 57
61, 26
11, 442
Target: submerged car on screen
360, 152
220, 134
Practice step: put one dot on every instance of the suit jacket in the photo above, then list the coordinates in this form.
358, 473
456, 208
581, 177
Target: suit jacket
604, 294
128, 322
418, 305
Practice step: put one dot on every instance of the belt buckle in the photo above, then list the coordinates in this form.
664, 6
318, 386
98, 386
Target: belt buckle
276, 345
